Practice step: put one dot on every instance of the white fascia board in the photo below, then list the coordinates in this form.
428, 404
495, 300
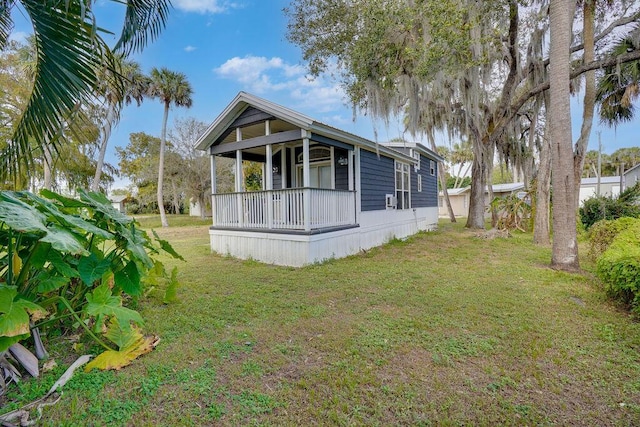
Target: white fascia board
337, 134
237, 106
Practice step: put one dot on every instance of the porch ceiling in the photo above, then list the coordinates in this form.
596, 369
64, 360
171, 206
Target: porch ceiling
258, 129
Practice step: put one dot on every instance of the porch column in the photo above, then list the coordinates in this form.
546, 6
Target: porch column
358, 184
283, 166
239, 188
213, 189
306, 181
350, 171
269, 183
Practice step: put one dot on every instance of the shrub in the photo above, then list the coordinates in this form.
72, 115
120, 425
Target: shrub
513, 212
69, 264
603, 232
619, 267
602, 207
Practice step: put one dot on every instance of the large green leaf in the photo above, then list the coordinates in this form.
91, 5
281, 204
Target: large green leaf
128, 279
137, 244
51, 283
46, 206
91, 268
171, 294
6, 342
63, 240
100, 203
14, 313
166, 246
64, 201
101, 302
40, 255
61, 265
19, 215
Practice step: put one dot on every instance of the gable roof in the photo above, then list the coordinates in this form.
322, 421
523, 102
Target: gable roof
509, 187
497, 188
415, 146
603, 180
632, 169
244, 100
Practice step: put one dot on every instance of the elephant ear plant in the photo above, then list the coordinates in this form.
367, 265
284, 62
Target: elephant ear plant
74, 263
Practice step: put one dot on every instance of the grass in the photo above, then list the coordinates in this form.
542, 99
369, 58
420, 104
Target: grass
441, 329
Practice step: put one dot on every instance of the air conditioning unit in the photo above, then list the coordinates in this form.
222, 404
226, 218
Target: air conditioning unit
391, 201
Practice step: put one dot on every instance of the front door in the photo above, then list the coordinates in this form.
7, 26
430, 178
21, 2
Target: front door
319, 174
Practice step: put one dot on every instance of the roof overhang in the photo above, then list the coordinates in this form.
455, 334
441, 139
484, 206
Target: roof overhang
244, 100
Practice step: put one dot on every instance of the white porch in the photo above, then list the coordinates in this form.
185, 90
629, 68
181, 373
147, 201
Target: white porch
298, 249
294, 209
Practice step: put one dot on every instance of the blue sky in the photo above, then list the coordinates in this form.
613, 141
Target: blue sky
224, 47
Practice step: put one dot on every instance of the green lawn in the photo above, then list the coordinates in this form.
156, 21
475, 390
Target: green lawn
443, 329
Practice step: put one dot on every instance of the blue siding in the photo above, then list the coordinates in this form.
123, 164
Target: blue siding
376, 180
429, 195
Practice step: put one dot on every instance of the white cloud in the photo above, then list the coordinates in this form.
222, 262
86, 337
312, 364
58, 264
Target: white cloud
261, 75
205, 6
190, 48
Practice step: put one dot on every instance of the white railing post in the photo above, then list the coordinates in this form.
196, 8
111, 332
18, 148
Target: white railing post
269, 182
239, 186
306, 182
213, 190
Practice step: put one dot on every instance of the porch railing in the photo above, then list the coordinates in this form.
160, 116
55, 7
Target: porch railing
288, 209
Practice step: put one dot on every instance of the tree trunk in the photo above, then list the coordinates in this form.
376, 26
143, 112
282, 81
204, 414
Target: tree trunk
589, 95
163, 139
176, 197
489, 171
202, 206
443, 183
475, 220
48, 167
106, 133
565, 247
542, 198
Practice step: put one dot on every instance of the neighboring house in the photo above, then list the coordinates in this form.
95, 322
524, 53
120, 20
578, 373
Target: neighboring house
195, 209
459, 197
326, 193
118, 202
609, 186
631, 177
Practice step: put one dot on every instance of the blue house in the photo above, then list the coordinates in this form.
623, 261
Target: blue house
325, 193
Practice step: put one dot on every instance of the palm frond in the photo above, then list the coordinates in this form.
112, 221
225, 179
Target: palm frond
143, 22
69, 55
6, 23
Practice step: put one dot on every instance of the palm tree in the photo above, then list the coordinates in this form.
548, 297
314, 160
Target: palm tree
70, 55
620, 85
171, 88
136, 86
565, 244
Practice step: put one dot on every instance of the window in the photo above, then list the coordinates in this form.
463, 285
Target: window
432, 167
402, 186
416, 156
419, 183
317, 154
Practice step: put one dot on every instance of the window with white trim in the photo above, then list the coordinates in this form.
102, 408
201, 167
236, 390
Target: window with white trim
403, 189
432, 167
416, 155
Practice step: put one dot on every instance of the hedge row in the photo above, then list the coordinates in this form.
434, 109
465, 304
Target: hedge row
618, 266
